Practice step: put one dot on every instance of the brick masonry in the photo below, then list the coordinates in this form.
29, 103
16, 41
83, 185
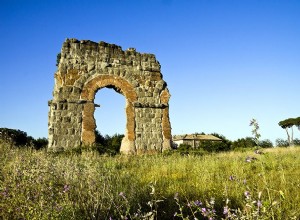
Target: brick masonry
84, 68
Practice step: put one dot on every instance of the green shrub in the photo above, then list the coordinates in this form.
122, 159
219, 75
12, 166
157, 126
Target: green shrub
216, 146
247, 142
109, 144
40, 143
297, 142
282, 143
16, 137
20, 138
266, 143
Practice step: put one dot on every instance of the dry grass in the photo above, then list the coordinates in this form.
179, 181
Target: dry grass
40, 185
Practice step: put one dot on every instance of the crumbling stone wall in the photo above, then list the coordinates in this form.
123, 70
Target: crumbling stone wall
84, 68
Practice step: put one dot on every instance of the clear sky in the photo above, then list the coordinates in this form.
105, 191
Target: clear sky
225, 61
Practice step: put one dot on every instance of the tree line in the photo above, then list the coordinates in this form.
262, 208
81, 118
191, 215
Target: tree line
104, 144
111, 144
20, 138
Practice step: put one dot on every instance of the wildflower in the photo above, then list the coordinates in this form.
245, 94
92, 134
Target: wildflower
212, 201
66, 188
225, 211
197, 203
247, 194
259, 204
231, 178
204, 211
5, 192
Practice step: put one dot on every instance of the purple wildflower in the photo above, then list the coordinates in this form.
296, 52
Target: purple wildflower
231, 178
226, 210
204, 211
5, 192
197, 203
66, 188
247, 194
259, 204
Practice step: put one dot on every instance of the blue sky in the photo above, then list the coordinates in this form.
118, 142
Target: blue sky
225, 61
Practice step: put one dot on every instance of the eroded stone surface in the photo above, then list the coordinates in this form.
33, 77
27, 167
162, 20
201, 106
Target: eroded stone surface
84, 68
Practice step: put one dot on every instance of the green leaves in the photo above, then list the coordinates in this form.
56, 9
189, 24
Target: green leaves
20, 138
287, 123
255, 129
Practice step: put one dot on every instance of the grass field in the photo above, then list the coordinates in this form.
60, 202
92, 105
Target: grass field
40, 185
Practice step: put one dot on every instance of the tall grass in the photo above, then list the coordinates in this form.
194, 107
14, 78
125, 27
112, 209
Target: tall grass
40, 185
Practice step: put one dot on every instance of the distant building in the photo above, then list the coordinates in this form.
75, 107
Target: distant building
193, 139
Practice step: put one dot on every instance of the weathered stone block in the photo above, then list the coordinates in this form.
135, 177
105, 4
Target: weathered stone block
84, 68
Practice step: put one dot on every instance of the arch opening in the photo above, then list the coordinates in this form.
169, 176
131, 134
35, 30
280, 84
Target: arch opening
109, 117
88, 120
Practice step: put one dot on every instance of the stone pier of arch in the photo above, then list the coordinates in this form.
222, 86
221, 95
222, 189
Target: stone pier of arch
84, 68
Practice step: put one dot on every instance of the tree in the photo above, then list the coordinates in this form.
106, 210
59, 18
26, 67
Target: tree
20, 138
216, 146
297, 142
266, 143
288, 124
108, 144
115, 142
297, 122
40, 143
247, 142
16, 137
254, 124
281, 143
99, 138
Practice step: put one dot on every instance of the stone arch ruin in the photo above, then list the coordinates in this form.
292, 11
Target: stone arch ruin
84, 68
